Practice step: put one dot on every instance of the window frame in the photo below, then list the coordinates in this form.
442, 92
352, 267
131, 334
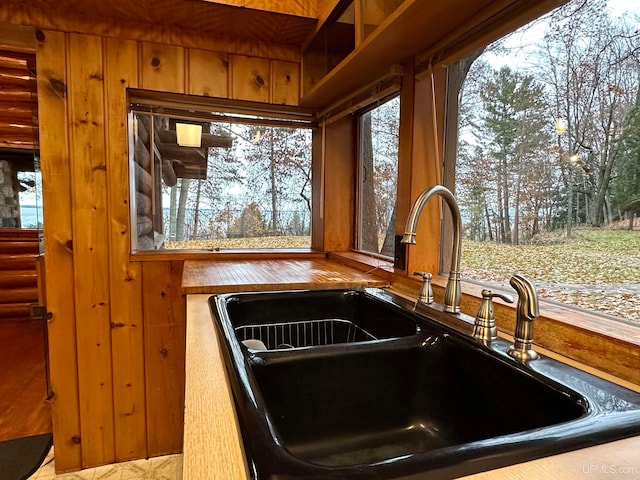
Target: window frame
375, 103
209, 109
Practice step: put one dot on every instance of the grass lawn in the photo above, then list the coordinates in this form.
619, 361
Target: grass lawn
597, 269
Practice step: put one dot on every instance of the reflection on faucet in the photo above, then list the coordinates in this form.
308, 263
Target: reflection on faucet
452, 292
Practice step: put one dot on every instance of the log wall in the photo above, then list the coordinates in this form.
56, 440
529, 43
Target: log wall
18, 104
118, 329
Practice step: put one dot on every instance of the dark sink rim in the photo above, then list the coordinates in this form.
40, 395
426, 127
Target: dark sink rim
602, 422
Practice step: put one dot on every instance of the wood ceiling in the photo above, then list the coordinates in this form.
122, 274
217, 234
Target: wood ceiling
220, 20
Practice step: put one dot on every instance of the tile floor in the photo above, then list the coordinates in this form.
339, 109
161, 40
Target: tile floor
168, 467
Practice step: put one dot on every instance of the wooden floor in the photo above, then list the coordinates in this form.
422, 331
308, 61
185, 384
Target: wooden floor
23, 407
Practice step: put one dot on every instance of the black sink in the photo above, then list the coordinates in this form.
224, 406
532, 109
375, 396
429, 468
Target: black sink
315, 318
423, 402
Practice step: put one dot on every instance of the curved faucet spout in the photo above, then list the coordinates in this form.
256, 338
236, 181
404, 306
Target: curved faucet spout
452, 293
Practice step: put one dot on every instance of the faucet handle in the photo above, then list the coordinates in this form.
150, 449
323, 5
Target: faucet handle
426, 292
484, 327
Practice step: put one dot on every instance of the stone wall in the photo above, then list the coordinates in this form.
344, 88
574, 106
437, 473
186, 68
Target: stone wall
9, 201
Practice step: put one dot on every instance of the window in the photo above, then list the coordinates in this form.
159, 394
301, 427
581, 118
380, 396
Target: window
244, 181
548, 158
378, 178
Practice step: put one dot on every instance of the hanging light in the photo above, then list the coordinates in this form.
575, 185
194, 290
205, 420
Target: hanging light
561, 127
189, 135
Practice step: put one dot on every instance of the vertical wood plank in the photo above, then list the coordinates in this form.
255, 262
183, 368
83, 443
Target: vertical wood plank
56, 190
426, 170
165, 336
208, 73
439, 106
162, 68
127, 340
91, 248
285, 83
405, 146
250, 78
339, 178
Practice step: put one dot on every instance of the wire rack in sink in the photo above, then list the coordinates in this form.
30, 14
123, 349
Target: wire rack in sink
304, 334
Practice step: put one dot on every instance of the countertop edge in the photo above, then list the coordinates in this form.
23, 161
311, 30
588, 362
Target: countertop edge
210, 422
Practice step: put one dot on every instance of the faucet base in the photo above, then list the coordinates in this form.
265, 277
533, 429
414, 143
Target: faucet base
522, 355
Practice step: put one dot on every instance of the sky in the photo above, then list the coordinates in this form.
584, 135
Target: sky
516, 56
620, 7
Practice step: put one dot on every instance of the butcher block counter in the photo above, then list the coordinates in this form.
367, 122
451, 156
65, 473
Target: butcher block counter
264, 275
212, 442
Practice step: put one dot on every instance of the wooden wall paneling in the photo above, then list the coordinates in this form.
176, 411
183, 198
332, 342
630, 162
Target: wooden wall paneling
127, 340
250, 78
91, 248
339, 178
285, 83
162, 68
208, 73
164, 320
58, 247
439, 105
426, 171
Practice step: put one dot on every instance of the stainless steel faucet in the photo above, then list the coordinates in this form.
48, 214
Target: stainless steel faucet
452, 293
526, 312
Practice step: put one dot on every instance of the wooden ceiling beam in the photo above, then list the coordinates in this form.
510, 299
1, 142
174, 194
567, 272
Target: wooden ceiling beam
208, 139
298, 8
197, 24
183, 154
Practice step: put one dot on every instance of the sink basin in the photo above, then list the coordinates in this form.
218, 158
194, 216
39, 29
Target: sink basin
418, 401
314, 318
362, 407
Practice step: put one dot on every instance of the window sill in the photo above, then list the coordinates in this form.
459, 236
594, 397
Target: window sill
591, 339
170, 255
364, 262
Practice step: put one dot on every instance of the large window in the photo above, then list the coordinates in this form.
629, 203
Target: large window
548, 162
243, 181
378, 177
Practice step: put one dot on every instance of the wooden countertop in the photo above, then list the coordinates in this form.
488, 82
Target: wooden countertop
212, 447
280, 274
